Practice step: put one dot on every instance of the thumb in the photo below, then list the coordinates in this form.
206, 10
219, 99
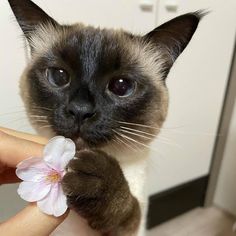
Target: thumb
14, 149
30, 222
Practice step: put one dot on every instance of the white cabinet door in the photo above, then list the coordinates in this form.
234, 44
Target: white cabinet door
129, 15
196, 84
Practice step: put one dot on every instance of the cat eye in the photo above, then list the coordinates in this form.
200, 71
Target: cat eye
122, 87
57, 77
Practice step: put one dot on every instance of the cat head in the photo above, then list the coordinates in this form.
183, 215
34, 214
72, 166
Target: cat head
98, 86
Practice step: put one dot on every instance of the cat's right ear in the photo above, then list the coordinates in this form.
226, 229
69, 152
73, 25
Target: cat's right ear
171, 38
29, 16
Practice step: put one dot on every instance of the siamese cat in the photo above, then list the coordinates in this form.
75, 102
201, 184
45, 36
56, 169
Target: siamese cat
105, 89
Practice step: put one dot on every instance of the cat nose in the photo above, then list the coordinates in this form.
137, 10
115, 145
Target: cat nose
80, 111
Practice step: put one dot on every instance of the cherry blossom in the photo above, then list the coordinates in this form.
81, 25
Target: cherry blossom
42, 176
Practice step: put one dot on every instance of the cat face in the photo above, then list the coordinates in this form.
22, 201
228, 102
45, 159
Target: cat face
88, 81
94, 85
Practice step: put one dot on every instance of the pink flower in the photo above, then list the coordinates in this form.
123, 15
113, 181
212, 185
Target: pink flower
42, 176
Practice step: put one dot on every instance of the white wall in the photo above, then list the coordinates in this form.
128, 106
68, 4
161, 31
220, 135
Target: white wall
12, 60
104, 13
225, 196
197, 85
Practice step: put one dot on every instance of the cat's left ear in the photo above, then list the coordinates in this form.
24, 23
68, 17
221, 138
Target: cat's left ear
30, 16
172, 37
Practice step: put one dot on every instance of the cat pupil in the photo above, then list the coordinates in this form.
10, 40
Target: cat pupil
121, 87
57, 77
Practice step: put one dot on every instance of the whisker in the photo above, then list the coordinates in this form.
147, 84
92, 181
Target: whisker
140, 125
139, 135
142, 136
37, 116
193, 133
138, 131
118, 142
44, 108
135, 141
115, 144
39, 121
128, 142
122, 141
160, 136
173, 129
45, 126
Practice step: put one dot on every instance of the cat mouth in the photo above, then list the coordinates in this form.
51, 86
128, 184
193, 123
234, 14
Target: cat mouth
84, 139
88, 135
80, 143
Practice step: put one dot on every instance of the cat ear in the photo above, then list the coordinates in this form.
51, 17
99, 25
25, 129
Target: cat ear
172, 37
29, 16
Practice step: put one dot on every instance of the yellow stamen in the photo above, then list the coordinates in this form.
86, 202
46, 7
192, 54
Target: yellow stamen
53, 177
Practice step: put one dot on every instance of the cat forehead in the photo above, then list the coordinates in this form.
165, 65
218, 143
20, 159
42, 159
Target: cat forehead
89, 41
47, 35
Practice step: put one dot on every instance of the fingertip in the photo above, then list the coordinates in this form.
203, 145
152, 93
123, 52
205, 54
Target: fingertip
31, 221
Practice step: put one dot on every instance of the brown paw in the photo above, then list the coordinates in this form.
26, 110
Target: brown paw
92, 174
96, 188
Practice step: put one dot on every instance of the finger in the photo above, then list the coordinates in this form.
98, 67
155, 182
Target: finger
13, 150
30, 222
30, 137
8, 176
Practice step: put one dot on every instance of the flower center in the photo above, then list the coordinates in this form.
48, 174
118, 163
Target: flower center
53, 177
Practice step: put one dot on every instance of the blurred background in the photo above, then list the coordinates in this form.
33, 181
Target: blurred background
192, 167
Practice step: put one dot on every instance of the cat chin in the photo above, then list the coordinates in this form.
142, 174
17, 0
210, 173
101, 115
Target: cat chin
80, 144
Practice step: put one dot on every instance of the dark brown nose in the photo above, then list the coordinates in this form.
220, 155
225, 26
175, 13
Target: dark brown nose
81, 111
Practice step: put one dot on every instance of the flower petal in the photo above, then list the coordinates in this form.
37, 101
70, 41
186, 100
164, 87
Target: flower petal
32, 192
69, 153
32, 170
60, 206
59, 151
36, 161
55, 202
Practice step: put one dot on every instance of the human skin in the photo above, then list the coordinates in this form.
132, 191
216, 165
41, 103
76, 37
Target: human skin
15, 147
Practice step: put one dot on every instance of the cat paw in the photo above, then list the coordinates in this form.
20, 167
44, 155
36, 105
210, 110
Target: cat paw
92, 174
96, 188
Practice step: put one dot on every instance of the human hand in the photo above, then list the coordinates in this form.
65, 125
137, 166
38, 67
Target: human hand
15, 147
